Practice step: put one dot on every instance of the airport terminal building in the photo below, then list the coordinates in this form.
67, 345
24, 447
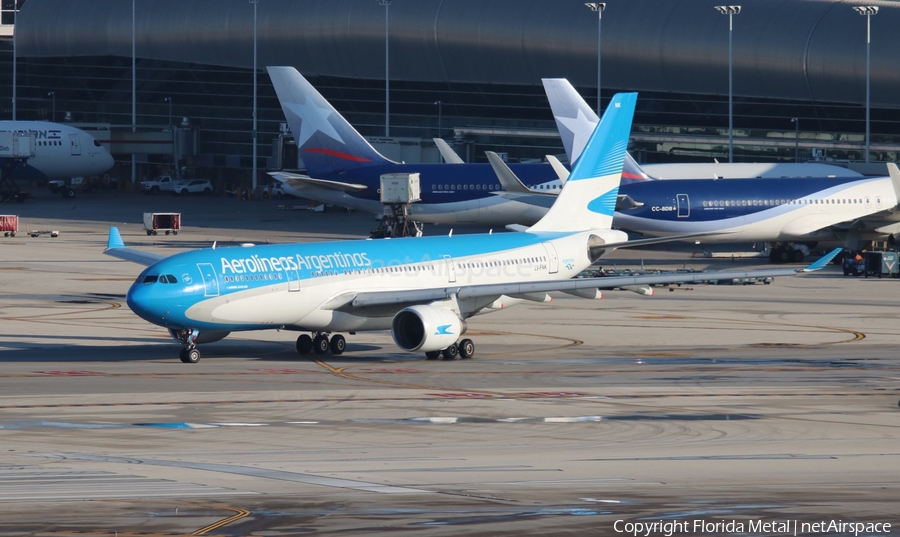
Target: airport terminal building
468, 71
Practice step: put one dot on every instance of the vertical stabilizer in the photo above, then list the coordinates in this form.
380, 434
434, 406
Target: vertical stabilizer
575, 121
325, 141
588, 199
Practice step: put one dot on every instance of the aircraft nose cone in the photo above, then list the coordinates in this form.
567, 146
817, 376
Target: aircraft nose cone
143, 302
106, 161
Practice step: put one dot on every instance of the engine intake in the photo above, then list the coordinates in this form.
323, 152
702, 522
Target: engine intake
426, 328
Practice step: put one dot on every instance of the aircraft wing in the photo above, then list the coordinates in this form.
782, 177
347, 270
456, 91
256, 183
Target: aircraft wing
353, 300
116, 248
297, 182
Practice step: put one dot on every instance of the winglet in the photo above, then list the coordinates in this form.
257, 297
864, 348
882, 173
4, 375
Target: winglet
115, 239
821, 263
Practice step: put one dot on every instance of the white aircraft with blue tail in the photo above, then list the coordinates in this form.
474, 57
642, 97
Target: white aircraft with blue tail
422, 289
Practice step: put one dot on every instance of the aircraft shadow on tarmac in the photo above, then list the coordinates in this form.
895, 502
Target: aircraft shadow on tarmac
144, 349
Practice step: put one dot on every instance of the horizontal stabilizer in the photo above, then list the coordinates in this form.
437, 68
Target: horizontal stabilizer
115, 247
598, 249
298, 181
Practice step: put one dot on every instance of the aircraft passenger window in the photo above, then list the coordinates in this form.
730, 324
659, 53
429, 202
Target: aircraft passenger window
150, 278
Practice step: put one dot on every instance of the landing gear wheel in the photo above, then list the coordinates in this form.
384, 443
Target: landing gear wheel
304, 344
190, 356
797, 256
432, 355
338, 344
466, 349
320, 344
451, 352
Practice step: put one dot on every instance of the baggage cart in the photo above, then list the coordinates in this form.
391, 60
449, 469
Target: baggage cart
156, 222
882, 264
9, 224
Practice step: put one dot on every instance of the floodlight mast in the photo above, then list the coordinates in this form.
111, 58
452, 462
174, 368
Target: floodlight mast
867, 12
598, 7
731, 11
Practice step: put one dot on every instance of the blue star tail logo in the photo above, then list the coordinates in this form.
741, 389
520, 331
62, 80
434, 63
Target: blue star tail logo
443, 330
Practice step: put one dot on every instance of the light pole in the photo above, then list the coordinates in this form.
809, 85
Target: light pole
169, 100
796, 122
867, 12
598, 7
133, 94
14, 64
440, 106
253, 136
174, 140
52, 95
731, 11
387, 80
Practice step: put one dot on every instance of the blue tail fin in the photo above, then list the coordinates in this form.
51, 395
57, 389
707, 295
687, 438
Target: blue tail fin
576, 121
325, 141
588, 199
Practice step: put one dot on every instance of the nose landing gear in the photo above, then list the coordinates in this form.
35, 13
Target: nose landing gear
190, 354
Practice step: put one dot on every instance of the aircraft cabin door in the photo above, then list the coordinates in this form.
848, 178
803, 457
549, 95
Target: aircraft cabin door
74, 144
684, 205
451, 270
293, 278
552, 258
210, 280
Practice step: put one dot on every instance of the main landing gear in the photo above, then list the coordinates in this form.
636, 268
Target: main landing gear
465, 349
321, 343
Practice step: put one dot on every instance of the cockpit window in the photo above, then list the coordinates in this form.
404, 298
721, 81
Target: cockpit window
97, 144
150, 278
171, 278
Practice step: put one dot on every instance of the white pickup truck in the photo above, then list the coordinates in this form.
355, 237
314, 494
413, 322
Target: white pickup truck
161, 183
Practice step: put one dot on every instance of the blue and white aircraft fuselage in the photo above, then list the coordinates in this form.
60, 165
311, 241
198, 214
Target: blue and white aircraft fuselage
422, 289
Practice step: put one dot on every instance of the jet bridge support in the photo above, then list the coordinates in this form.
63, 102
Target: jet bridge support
398, 192
15, 150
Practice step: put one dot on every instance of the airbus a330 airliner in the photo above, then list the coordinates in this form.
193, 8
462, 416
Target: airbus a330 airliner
422, 289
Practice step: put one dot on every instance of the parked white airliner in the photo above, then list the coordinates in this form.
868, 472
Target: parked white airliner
61, 151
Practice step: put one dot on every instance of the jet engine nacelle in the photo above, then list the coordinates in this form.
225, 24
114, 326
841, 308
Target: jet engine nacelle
426, 328
196, 336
